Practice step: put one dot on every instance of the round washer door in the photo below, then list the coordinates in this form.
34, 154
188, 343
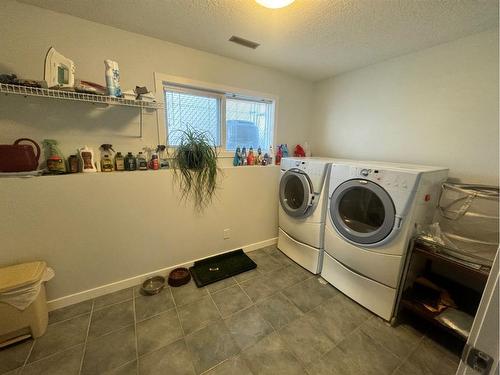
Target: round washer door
362, 211
295, 193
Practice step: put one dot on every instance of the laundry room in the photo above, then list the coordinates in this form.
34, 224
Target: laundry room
249, 187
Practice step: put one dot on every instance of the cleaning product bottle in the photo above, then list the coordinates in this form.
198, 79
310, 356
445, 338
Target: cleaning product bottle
236, 157
119, 162
284, 150
112, 78
270, 155
130, 163
279, 155
250, 157
244, 156
258, 158
87, 159
73, 164
154, 162
106, 164
160, 150
142, 163
56, 162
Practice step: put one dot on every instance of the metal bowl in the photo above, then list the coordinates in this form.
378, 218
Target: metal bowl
153, 285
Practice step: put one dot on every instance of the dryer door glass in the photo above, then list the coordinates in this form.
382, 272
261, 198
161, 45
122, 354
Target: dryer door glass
362, 211
295, 190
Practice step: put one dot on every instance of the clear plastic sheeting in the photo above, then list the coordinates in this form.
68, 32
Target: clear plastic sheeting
466, 223
457, 320
22, 297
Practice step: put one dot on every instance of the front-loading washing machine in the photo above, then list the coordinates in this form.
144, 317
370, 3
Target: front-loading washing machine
373, 211
302, 209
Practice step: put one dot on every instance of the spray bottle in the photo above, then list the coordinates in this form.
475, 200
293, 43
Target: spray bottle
244, 156
112, 78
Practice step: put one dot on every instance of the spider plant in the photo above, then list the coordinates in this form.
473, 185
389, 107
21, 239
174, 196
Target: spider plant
195, 166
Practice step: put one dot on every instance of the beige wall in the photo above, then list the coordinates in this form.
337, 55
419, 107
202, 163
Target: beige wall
99, 229
438, 106
23, 46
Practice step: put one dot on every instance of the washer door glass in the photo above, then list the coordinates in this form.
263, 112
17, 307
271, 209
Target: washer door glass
362, 211
295, 190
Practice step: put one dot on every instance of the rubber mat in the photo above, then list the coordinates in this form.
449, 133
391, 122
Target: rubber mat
220, 267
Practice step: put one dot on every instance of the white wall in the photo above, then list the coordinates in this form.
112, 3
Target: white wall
99, 229
438, 106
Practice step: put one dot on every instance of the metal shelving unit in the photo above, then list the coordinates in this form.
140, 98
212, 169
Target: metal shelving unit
80, 97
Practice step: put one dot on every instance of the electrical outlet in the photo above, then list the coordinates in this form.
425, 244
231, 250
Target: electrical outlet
227, 233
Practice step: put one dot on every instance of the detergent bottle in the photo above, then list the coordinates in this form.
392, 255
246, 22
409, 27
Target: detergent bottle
270, 155
250, 157
244, 160
237, 157
279, 155
112, 78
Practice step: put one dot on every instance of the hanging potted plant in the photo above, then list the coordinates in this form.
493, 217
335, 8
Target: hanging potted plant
195, 166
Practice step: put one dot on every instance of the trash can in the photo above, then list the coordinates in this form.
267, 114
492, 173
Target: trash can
23, 304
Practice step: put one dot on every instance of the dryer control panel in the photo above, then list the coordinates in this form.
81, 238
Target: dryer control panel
316, 170
388, 179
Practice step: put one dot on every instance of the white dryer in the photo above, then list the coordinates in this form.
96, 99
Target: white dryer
302, 209
373, 210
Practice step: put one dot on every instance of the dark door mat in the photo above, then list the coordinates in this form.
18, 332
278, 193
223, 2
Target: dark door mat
219, 267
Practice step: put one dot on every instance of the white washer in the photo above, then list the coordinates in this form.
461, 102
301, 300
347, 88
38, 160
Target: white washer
302, 209
373, 210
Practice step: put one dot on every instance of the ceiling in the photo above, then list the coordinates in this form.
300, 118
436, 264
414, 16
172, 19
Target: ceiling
312, 39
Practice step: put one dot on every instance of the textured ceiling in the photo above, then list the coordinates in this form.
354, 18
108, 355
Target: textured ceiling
313, 39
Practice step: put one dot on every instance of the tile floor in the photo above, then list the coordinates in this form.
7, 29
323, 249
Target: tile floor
277, 319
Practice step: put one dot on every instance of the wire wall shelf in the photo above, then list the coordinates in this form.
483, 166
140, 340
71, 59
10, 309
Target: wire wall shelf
76, 96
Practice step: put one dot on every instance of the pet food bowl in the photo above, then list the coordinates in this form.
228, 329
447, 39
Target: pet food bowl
178, 277
153, 285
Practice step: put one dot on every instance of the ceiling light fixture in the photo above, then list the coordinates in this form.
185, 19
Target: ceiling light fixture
274, 4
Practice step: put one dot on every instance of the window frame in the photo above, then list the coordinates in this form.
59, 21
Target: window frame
222, 92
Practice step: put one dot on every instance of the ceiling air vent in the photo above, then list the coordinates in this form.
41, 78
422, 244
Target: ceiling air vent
244, 42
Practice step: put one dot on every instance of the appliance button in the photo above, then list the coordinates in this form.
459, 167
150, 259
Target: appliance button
365, 172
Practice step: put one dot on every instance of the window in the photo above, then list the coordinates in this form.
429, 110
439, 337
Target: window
230, 119
199, 111
249, 123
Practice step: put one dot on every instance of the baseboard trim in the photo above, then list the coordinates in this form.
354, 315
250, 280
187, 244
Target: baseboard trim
136, 280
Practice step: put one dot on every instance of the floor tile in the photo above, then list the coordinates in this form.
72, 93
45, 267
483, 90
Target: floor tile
158, 331
257, 288
109, 352
277, 255
233, 366
265, 262
70, 311
111, 318
248, 327
357, 354
210, 346
126, 369
219, 285
188, 293
198, 314
284, 278
62, 363
400, 340
278, 310
14, 355
231, 300
306, 341
171, 359
112, 298
430, 358
271, 357
60, 336
247, 275
338, 316
148, 306
310, 293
